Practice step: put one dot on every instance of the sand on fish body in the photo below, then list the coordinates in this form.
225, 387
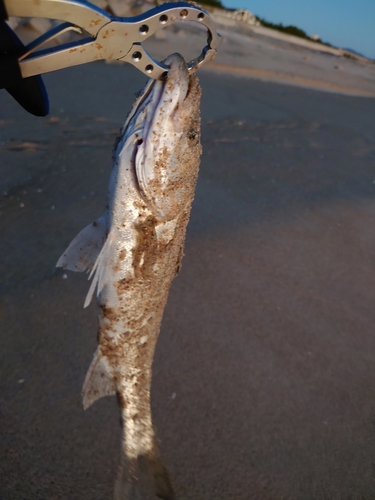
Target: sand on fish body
133, 252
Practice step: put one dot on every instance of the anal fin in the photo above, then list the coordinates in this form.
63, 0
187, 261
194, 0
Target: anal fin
98, 382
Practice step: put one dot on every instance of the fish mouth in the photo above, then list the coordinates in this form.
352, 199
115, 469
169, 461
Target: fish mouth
161, 131
175, 81
155, 126
160, 140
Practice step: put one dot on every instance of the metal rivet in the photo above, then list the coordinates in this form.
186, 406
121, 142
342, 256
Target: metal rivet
143, 29
163, 19
184, 13
200, 16
137, 56
149, 68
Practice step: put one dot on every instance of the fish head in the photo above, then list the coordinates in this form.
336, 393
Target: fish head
164, 128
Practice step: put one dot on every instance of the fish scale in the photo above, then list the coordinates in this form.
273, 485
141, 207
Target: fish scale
133, 252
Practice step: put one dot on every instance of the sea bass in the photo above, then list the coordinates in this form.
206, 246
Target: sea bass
132, 253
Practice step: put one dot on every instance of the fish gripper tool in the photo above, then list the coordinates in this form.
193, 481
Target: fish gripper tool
109, 37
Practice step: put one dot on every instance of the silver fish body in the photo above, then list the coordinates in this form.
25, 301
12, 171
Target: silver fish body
133, 252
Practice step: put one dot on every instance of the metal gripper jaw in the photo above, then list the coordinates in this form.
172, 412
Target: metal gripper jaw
113, 38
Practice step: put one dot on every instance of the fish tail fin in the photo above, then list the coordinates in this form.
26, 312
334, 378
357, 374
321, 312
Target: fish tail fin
143, 477
99, 381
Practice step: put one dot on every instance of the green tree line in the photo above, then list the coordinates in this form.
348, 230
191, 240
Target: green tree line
290, 30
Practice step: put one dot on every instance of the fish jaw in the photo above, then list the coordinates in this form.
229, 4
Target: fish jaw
170, 148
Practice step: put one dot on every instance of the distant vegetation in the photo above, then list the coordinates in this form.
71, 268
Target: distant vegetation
353, 52
290, 30
212, 3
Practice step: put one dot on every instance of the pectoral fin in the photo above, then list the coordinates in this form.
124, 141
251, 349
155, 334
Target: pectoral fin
98, 382
83, 251
101, 271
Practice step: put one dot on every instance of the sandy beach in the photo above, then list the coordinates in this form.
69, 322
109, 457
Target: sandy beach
245, 52
264, 372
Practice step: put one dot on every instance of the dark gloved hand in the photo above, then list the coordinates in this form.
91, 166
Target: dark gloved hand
29, 92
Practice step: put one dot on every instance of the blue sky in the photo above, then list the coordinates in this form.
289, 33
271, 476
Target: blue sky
343, 23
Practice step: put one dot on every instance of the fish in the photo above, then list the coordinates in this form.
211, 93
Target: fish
133, 252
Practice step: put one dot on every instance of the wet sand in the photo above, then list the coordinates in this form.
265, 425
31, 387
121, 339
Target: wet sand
264, 373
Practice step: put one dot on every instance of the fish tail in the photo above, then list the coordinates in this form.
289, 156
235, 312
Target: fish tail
142, 474
143, 478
